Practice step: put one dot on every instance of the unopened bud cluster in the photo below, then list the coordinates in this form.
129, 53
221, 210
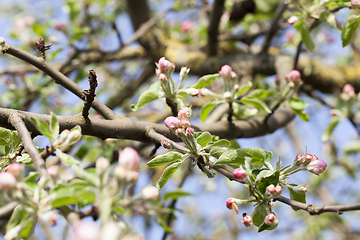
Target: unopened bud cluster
294, 78
68, 138
127, 169
182, 128
348, 92
309, 162
164, 70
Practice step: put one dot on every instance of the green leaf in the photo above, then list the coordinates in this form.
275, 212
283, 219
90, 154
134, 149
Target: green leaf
237, 157
30, 180
268, 156
204, 139
176, 194
259, 214
42, 127
265, 174
260, 93
349, 29
205, 80
302, 114
297, 104
221, 142
207, 108
164, 159
88, 175
243, 89
231, 157
64, 199
16, 217
148, 96
54, 126
242, 112
65, 158
352, 147
300, 197
329, 18
305, 36
330, 128
28, 227
259, 104
168, 172
216, 152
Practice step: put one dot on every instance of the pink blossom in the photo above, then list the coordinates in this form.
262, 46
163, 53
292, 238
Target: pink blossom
180, 132
50, 217
270, 219
163, 77
165, 65
129, 159
274, 191
17, 170
189, 131
186, 26
86, 231
292, 20
247, 221
226, 71
239, 174
7, 181
317, 166
355, 3
185, 123
349, 90
172, 122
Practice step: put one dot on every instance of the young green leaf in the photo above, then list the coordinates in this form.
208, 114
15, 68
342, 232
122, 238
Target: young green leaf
168, 172
330, 128
216, 152
176, 194
352, 147
65, 158
204, 139
329, 18
205, 80
302, 114
259, 214
259, 104
221, 142
164, 159
54, 126
207, 108
297, 104
243, 89
242, 112
265, 174
42, 127
305, 36
260, 93
268, 156
148, 96
300, 197
349, 29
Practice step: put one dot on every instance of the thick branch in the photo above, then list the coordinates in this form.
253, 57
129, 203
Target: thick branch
124, 128
59, 78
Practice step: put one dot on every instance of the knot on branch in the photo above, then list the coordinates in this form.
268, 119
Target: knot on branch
40, 45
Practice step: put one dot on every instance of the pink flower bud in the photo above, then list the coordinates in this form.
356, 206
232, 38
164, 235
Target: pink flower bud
101, 165
86, 231
270, 219
292, 20
164, 65
17, 170
277, 81
226, 71
185, 123
247, 221
7, 181
186, 26
120, 173
150, 193
230, 204
166, 144
355, 4
163, 77
239, 174
349, 90
189, 131
317, 167
180, 132
50, 217
172, 123
53, 171
294, 76
233, 74
129, 159
132, 176
184, 113
300, 188
274, 191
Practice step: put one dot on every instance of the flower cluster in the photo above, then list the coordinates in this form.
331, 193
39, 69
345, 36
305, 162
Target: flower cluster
127, 169
348, 92
309, 162
181, 126
164, 70
294, 78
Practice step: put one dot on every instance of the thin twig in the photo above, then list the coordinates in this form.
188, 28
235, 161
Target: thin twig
89, 94
40, 45
59, 78
30, 147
